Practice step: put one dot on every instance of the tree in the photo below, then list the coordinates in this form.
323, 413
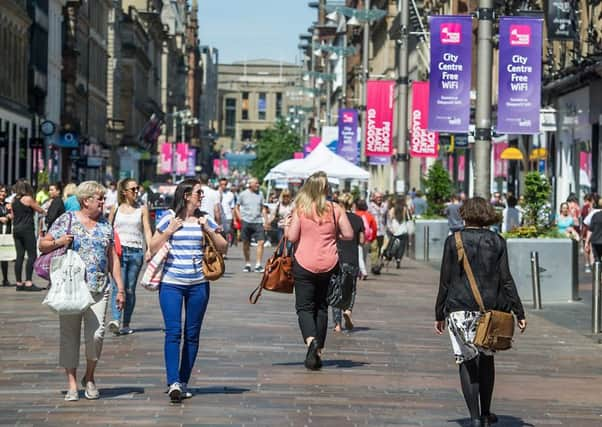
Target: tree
276, 144
537, 194
438, 187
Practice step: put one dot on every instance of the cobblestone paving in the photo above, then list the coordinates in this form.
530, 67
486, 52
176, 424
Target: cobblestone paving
390, 371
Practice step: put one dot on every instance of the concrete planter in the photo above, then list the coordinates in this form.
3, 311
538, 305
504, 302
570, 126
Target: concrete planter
438, 231
558, 262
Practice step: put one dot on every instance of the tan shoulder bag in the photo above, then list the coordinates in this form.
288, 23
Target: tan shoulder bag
495, 328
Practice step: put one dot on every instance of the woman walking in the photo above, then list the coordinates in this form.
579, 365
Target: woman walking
91, 236
313, 228
183, 283
5, 228
131, 223
349, 253
456, 305
24, 208
397, 226
283, 209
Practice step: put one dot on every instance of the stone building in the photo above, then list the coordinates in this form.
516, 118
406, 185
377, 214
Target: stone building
83, 122
252, 96
208, 104
15, 119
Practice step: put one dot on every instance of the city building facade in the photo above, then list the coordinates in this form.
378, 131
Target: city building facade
15, 119
252, 96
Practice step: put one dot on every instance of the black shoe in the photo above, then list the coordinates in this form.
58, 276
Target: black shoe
20, 287
6, 283
311, 358
476, 422
32, 288
398, 266
318, 363
491, 418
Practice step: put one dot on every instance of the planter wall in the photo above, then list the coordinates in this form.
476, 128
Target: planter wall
438, 232
559, 260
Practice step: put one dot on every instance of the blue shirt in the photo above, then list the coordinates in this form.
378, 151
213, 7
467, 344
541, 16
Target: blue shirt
72, 204
183, 264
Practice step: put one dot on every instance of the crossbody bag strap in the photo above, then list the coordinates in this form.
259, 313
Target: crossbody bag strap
336, 232
468, 269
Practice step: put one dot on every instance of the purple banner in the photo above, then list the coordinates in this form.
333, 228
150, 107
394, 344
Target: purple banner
379, 160
347, 146
450, 79
519, 96
191, 162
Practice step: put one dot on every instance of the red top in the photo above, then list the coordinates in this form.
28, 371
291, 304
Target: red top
316, 249
371, 222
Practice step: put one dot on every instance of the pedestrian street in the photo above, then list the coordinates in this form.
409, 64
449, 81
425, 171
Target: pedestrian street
391, 370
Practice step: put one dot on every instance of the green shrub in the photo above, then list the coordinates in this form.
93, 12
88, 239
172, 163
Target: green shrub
438, 186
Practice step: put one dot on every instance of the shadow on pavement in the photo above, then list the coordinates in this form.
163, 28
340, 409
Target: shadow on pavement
119, 391
337, 363
141, 330
356, 329
218, 390
503, 421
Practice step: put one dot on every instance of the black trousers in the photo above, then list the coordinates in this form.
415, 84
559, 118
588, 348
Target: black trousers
311, 290
25, 240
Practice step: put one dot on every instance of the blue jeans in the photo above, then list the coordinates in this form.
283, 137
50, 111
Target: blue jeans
195, 299
131, 263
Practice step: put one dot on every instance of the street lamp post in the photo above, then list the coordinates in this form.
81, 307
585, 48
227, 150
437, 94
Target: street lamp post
482, 166
402, 97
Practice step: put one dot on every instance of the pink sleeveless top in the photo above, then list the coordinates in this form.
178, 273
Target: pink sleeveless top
316, 242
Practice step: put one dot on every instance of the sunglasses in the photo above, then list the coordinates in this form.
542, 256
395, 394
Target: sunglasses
133, 189
98, 199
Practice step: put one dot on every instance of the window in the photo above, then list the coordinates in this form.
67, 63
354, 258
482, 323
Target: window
230, 125
278, 104
245, 106
261, 106
247, 134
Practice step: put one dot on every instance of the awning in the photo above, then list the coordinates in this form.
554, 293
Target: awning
538, 154
511, 153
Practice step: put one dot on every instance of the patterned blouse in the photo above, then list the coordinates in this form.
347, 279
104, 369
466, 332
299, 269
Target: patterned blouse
91, 245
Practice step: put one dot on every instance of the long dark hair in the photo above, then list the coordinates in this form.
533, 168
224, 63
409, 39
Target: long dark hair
22, 188
178, 205
400, 209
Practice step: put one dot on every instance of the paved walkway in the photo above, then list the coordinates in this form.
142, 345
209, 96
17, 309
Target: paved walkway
391, 370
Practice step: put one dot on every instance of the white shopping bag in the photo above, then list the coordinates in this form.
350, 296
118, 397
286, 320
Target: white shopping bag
69, 293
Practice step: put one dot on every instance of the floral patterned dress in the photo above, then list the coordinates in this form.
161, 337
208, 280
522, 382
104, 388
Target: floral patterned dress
462, 328
91, 245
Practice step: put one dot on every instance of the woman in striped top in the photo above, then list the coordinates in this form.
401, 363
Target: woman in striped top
183, 283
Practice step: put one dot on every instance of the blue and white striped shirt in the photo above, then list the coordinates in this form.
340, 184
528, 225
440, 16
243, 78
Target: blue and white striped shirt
183, 263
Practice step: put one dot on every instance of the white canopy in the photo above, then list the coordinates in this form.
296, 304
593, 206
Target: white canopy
320, 159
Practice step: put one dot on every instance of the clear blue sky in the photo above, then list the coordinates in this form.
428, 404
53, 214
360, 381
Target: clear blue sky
253, 29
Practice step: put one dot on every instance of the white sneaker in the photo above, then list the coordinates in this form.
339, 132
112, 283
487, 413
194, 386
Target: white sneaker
114, 327
90, 390
267, 244
175, 392
185, 393
72, 396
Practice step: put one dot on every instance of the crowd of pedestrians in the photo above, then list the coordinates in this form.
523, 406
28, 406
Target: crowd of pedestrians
111, 230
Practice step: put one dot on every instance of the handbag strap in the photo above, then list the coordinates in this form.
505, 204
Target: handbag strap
468, 269
336, 232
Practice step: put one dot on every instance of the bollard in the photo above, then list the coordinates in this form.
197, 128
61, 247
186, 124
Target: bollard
426, 243
596, 298
536, 281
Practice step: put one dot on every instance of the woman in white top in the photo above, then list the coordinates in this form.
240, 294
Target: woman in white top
132, 225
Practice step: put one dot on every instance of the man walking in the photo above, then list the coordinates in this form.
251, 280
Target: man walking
253, 218
378, 209
211, 199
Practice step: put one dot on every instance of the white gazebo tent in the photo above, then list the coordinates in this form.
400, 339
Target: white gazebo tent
320, 159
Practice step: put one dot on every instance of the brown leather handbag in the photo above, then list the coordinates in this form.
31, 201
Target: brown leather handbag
278, 273
495, 329
213, 261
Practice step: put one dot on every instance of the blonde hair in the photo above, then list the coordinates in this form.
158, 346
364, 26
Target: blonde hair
88, 189
312, 196
69, 190
283, 193
346, 200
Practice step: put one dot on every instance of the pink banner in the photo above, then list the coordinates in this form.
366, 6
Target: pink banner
423, 143
298, 155
165, 163
500, 167
379, 118
313, 143
182, 158
225, 167
217, 166
461, 167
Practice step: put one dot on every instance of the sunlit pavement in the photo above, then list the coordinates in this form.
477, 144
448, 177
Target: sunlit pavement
391, 370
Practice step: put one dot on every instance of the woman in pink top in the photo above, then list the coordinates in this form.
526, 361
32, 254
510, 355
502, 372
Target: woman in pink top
311, 227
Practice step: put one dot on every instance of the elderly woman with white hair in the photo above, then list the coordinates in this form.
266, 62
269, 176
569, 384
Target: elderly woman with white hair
91, 237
